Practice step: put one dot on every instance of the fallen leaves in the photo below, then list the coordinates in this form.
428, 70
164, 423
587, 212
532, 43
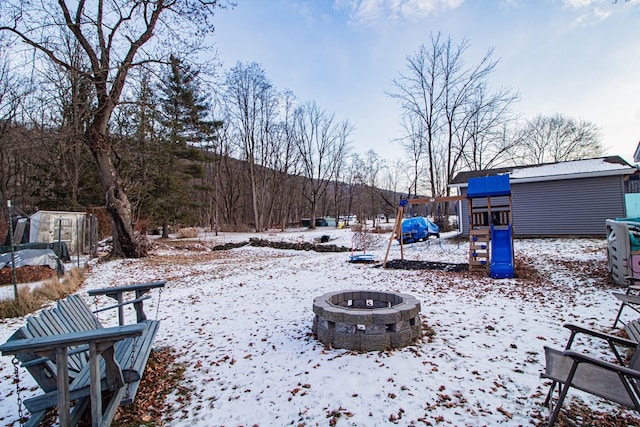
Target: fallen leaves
577, 413
505, 412
162, 376
335, 414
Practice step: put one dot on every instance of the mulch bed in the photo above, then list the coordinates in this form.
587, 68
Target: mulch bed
27, 274
298, 246
162, 376
398, 264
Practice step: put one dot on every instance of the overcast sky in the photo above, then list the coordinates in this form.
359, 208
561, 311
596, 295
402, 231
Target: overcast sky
580, 58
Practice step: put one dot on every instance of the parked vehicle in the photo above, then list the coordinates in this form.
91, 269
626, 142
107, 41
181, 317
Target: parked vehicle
417, 229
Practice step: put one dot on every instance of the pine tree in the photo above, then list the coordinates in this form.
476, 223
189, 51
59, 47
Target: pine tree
186, 130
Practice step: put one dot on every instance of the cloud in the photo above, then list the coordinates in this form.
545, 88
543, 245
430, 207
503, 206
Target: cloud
591, 16
368, 12
590, 11
579, 4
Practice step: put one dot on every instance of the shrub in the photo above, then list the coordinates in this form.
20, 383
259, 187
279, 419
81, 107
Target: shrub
188, 233
51, 290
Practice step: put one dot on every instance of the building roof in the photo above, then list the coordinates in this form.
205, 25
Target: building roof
636, 155
601, 166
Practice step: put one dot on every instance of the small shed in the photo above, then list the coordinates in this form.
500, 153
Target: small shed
51, 226
560, 199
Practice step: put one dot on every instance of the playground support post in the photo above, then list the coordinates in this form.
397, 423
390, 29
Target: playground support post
397, 231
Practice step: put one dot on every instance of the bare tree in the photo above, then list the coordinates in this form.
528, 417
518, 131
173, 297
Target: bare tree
353, 180
284, 162
111, 35
322, 143
414, 144
9, 103
450, 114
252, 101
373, 165
228, 186
394, 179
419, 92
557, 138
71, 97
487, 132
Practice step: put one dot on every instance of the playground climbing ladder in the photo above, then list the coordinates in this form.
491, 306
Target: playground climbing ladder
479, 255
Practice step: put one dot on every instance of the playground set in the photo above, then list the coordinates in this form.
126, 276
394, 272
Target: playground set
490, 225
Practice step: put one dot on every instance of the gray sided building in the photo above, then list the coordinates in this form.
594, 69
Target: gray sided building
559, 199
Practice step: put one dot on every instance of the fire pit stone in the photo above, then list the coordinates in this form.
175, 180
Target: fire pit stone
366, 320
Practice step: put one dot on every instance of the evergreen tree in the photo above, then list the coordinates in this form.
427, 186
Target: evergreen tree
186, 130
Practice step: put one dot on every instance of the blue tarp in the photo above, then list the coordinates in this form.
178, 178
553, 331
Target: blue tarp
418, 228
489, 186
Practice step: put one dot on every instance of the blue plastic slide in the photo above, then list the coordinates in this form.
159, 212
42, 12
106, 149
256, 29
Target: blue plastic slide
501, 253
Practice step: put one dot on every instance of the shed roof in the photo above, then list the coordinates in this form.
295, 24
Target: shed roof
601, 166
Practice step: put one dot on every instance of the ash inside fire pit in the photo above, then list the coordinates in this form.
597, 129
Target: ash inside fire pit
366, 320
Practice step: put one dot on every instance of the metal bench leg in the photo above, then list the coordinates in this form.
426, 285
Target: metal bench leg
618, 316
563, 393
547, 400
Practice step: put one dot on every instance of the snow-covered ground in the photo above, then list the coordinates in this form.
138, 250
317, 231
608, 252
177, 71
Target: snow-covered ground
241, 321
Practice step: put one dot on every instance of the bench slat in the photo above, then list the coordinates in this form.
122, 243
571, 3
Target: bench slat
50, 399
75, 308
72, 320
80, 386
140, 362
56, 323
45, 325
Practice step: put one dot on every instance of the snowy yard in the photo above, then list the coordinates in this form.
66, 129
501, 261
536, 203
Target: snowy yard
241, 320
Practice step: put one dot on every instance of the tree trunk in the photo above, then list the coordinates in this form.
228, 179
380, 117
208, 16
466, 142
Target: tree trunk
254, 199
125, 243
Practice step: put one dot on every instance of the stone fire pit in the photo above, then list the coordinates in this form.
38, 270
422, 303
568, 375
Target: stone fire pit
366, 320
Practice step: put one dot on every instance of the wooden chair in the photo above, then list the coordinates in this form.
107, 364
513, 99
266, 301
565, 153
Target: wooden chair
617, 381
74, 358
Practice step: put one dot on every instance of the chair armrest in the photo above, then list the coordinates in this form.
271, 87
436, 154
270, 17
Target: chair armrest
583, 358
132, 301
51, 342
577, 329
117, 293
114, 290
627, 298
634, 279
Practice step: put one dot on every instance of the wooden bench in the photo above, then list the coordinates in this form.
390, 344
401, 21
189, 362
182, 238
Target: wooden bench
60, 348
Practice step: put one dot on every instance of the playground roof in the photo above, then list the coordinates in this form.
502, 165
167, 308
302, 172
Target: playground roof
601, 166
489, 186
